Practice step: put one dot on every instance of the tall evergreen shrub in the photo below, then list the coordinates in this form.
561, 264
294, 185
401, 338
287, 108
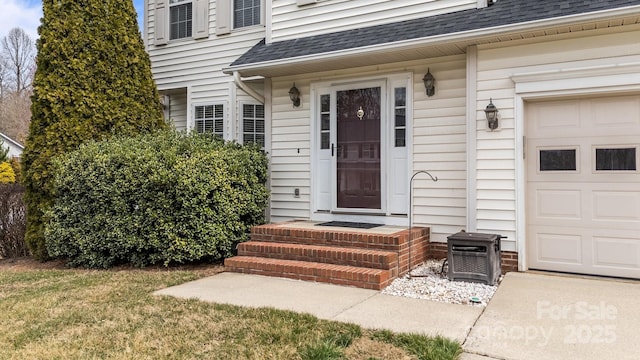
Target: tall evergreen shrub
93, 80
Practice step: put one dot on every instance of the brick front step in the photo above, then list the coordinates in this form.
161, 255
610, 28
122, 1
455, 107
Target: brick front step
375, 279
389, 242
369, 260
375, 259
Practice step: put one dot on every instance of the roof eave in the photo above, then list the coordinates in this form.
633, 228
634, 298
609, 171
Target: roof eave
261, 68
15, 143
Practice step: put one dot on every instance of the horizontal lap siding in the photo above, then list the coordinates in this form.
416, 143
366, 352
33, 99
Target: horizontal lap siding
198, 64
290, 152
178, 110
291, 21
439, 137
496, 155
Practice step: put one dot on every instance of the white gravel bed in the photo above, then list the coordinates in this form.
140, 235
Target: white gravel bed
434, 286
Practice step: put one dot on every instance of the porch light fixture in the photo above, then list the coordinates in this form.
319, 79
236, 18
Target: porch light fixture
491, 111
294, 95
429, 83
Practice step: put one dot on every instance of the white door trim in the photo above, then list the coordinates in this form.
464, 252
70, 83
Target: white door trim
608, 79
387, 83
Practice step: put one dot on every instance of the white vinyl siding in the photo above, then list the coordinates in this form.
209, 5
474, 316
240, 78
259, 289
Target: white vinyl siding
439, 147
176, 109
14, 149
496, 154
438, 139
197, 65
291, 21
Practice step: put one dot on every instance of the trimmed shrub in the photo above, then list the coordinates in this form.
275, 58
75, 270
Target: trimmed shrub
12, 221
93, 80
162, 198
7, 176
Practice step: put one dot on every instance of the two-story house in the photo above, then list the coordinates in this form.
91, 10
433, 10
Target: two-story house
527, 112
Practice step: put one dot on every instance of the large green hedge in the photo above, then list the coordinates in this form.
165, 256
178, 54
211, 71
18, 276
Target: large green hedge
163, 198
93, 80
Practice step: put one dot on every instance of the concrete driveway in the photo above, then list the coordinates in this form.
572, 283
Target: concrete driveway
543, 316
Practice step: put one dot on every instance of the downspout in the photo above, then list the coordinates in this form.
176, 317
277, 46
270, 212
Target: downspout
254, 94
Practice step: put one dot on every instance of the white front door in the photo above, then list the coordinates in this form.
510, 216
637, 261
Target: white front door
361, 149
583, 185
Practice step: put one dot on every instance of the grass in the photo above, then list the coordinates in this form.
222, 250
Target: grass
79, 314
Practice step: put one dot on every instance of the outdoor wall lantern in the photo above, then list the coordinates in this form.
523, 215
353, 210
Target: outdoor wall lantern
429, 83
294, 95
491, 112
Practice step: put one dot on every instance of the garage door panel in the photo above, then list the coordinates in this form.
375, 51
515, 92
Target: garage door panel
558, 204
556, 115
558, 248
616, 206
583, 212
615, 111
613, 252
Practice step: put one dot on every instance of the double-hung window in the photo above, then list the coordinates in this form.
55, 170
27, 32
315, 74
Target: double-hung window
180, 19
253, 124
246, 13
210, 119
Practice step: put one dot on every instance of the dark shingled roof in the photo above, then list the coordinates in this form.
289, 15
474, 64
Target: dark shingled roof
503, 12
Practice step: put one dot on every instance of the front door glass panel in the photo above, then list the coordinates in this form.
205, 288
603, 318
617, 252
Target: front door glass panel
358, 148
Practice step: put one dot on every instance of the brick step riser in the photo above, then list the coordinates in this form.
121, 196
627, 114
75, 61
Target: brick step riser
374, 281
341, 256
353, 240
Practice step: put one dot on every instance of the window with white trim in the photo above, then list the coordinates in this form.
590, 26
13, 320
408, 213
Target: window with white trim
253, 125
210, 119
246, 13
400, 111
180, 19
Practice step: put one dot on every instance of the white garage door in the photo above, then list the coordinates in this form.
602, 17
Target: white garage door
583, 185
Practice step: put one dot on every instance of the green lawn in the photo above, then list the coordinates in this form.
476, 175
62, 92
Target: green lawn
79, 314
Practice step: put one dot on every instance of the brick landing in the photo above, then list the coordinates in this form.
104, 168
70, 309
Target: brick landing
369, 259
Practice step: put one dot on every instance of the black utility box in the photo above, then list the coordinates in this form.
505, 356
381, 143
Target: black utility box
474, 257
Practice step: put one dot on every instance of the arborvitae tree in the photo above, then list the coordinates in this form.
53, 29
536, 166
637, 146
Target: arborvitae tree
93, 80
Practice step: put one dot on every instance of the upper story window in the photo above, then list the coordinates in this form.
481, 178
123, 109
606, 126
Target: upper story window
180, 19
246, 13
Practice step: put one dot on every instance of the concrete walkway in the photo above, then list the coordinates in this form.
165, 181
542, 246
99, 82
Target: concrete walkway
367, 308
531, 316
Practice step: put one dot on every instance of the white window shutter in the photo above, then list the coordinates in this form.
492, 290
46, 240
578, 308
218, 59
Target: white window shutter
201, 13
161, 28
223, 17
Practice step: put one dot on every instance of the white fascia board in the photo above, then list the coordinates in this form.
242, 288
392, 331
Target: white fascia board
5, 139
442, 39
